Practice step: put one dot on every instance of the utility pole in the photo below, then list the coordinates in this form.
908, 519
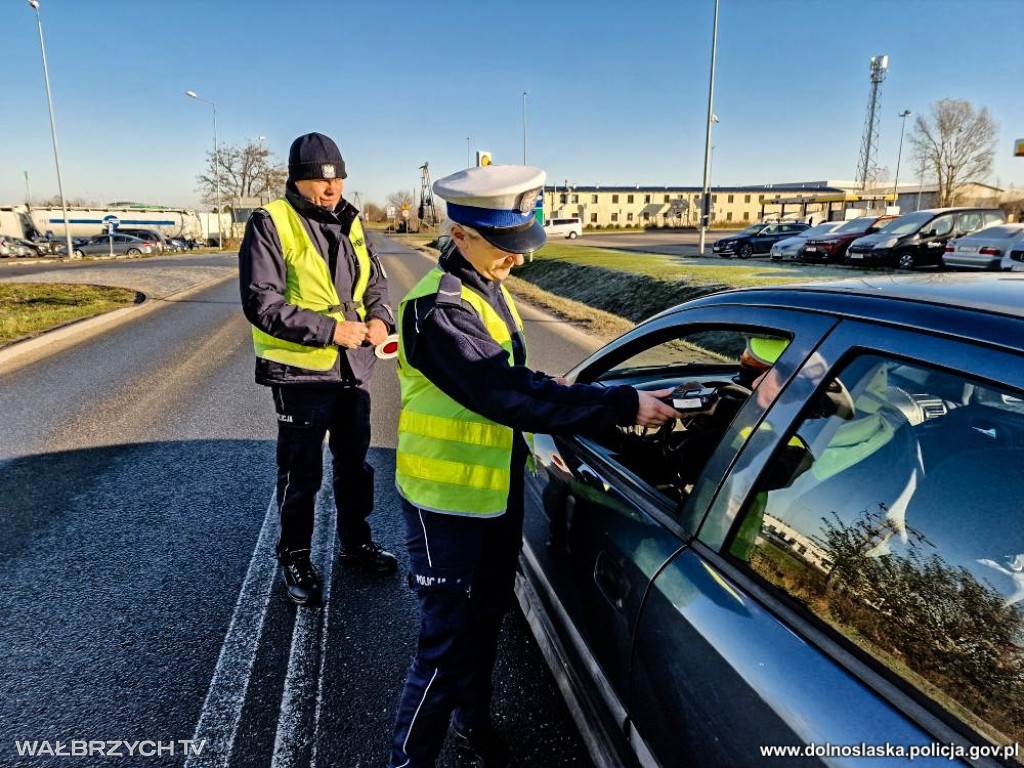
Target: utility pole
899, 155
706, 189
28, 192
53, 130
525, 93
216, 168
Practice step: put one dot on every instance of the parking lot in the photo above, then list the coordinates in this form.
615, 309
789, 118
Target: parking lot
685, 245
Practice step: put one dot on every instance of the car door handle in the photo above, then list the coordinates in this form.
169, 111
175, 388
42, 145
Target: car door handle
611, 580
591, 476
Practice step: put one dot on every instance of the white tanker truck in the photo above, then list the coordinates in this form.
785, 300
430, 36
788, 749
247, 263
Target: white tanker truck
21, 221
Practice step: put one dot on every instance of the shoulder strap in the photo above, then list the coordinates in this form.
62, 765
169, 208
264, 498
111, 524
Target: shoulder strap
449, 291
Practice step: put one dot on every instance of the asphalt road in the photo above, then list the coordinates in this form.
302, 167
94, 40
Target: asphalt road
141, 599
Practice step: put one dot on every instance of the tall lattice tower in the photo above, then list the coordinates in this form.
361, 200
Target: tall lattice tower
869, 143
427, 212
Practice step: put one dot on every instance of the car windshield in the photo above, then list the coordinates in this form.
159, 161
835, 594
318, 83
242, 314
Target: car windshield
908, 224
860, 224
753, 229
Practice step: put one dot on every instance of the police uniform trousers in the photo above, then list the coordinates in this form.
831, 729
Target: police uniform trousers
305, 413
462, 569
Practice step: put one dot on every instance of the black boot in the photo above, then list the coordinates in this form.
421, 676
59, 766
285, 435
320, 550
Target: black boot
300, 577
481, 747
370, 556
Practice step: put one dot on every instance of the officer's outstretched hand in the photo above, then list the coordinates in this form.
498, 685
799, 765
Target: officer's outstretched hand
652, 411
349, 335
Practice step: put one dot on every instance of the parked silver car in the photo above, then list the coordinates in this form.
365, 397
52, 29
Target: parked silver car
123, 245
984, 249
16, 246
1013, 260
789, 249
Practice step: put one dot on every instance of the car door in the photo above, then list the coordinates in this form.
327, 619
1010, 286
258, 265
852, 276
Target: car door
931, 243
763, 240
845, 580
606, 511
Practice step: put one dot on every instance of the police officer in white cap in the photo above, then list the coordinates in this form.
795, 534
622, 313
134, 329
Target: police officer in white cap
468, 397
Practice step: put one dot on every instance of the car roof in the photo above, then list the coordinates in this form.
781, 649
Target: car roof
998, 293
951, 210
986, 307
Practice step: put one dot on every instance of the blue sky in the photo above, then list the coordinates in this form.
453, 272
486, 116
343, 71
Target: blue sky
618, 91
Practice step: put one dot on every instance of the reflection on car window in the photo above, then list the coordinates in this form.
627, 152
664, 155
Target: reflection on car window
698, 348
970, 222
898, 523
723, 363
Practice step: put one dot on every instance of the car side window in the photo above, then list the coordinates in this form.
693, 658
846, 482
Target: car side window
718, 367
993, 217
969, 222
893, 515
941, 226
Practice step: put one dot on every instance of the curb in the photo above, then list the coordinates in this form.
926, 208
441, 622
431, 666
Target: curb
22, 353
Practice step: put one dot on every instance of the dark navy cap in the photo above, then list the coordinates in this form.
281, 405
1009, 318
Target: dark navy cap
315, 156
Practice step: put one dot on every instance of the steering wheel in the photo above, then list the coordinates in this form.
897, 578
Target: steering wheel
834, 401
705, 421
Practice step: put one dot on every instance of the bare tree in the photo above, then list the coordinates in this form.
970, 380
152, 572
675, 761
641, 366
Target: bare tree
245, 171
957, 143
402, 196
373, 212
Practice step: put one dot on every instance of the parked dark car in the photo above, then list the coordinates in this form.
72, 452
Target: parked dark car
834, 558
757, 238
832, 247
919, 239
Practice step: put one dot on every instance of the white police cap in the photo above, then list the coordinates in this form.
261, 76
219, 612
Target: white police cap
499, 202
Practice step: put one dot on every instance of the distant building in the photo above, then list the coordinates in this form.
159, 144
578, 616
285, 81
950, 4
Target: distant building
815, 201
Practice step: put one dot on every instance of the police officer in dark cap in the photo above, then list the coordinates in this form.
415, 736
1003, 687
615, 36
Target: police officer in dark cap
316, 296
468, 397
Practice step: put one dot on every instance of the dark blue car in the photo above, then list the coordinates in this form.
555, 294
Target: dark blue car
823, 559
757, 238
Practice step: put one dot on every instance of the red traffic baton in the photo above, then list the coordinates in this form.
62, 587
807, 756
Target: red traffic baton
387, 348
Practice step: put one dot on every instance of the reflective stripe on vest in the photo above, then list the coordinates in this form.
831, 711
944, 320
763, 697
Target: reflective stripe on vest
451, 459
308, 284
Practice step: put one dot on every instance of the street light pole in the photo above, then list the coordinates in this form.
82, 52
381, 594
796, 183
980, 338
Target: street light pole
705, 198
216, 167
525, 93
899, 156
53, 130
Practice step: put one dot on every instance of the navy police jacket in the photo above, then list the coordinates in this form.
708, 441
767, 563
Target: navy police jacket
262, 284
447, 342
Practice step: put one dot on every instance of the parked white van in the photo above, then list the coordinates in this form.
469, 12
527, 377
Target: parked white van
570, 228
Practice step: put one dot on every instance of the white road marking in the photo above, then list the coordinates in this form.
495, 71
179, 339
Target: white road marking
222, 710
301, 700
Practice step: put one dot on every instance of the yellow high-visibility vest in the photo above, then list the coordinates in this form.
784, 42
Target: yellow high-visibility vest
451, 459
308, 284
